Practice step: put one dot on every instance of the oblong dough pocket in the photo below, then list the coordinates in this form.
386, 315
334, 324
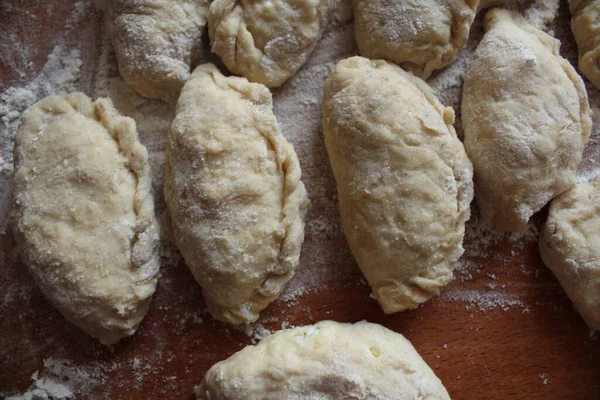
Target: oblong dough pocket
266, 41
585, 24
83, 213
157, 42
403, 178
328, 360
526, 119
418, 35
570, 247
233, 191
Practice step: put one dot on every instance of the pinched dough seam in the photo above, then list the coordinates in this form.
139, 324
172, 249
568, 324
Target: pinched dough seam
294, 202
123, 132
242, 28
445, 56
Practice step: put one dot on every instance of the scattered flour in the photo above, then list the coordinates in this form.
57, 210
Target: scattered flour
256, 332
44, 389
483, 300
59, 75
63, 379
79, 10
542, 14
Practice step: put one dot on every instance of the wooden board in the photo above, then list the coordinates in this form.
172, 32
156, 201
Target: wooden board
503, 329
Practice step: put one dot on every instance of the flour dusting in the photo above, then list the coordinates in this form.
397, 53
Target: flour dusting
542, 14
62, 379
483, 300
44, 389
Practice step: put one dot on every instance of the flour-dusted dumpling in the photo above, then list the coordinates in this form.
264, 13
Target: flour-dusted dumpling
526, 119
266, 41
234, 194
83, 213
419, 35
585, 24
157, 42
570, 247
328, 361
404, 181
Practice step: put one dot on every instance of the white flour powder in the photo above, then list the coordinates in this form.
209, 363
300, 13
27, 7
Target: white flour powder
44, 389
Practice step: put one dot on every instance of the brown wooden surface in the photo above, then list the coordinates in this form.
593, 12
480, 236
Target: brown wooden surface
537, 349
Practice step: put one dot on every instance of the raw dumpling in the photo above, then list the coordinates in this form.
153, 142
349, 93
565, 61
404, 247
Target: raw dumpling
266, 41
419, 35
570, 247
526, 119
157, 42
233, 190
404, 181
83, 213
585, 24
327, 361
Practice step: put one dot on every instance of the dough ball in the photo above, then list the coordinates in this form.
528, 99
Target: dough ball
328, 360
403, 178
526, 119
83, 213
266, 41
585, 24
233, 191
418, 35
570, 247
157, 42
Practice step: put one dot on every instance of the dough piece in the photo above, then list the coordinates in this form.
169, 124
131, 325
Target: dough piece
234, 194
570, 247
419, 35
329, 361
157, 42
266, 41
403, 178
83, 213
526, 120
585, 24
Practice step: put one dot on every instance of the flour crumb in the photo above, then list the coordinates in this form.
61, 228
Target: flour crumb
542, 13
79, 10
44, 389
545, 380
479, 300
256, 332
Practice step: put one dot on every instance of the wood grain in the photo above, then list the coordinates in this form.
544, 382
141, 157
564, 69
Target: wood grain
529, 345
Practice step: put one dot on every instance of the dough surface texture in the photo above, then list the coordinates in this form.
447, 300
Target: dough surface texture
585, 24
418, 35
326, 361
83, 214
570, 247
526, 120
233, 190
157, 42
266, 41
404, 181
